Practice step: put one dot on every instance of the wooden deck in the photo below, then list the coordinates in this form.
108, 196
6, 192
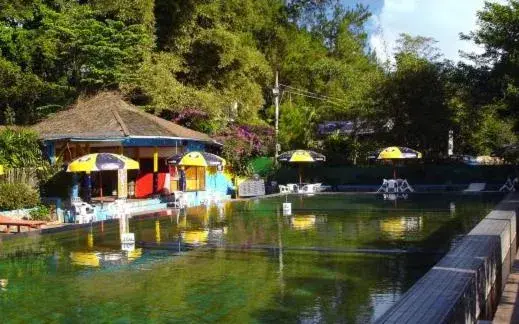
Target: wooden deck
19, 223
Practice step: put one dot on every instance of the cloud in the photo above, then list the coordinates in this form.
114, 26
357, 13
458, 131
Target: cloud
443, 20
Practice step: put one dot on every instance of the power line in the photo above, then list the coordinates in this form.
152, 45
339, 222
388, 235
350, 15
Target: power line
312, 93
315, 97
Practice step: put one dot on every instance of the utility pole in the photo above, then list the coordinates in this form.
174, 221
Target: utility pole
275, 91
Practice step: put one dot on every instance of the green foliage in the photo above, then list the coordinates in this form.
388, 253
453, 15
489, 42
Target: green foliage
413, 97
19, 148
41, 213
497, 32
17, 196
50, 51
218, 57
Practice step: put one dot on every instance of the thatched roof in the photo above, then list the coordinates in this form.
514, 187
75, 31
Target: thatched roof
107, 116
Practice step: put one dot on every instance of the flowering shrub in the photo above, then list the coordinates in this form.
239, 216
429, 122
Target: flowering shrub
242, 143
193, 118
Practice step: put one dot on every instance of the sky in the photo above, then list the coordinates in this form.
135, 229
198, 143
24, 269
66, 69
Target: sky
442, 20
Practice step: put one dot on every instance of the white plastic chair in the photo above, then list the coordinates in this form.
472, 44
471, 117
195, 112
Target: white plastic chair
180, 200
83, 212
307, 189
405, 186
383, 187
293, 187
392, 186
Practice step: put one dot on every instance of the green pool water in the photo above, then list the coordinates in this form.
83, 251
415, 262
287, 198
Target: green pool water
338, 258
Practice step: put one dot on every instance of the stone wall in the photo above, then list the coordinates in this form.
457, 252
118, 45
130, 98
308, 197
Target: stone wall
466, 284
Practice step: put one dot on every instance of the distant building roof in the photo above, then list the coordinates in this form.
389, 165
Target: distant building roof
348, 127
108, 116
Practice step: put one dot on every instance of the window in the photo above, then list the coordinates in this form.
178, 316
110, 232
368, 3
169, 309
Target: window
195, 178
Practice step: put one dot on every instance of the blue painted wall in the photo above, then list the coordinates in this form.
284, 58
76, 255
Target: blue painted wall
195, 146
217, 182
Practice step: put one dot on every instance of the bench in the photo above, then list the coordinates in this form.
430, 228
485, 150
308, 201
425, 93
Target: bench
8, 222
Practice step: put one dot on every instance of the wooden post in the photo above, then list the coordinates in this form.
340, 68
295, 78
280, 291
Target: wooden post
122, 184
155, 159
155, 169
100, 184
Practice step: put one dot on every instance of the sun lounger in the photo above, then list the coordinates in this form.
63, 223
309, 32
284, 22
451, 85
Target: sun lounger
475, 187
509, 185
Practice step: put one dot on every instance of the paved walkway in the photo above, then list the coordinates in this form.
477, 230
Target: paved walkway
508, 309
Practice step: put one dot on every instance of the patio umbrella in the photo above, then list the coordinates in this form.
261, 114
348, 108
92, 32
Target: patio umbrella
101, 162
301, 156
395, 153
195, 158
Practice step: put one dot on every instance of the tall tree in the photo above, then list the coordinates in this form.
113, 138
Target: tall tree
498, 34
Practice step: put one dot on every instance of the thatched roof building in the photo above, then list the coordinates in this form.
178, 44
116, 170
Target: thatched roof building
107, 116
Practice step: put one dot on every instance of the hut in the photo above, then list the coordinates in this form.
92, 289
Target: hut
107, 123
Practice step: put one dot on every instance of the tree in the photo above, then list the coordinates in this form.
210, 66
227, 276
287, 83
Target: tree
414, 98
498, 35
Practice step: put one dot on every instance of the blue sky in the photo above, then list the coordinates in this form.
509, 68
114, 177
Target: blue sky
441, 19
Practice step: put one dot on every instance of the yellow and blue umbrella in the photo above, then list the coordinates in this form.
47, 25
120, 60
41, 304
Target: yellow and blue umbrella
395, 153
201, 159
102, 162
298, 156
301, 156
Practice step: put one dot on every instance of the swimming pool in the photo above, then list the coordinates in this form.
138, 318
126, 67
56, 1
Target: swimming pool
338, 258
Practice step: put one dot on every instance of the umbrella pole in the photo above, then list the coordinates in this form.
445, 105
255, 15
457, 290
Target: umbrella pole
300, 174
89, 186
100, 184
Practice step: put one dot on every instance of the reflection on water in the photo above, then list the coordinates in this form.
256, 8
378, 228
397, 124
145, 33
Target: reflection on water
303, 222
401, 227
337, 258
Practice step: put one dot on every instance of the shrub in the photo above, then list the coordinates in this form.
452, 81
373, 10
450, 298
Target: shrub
41, 212
20, 148
241, 144
17, 196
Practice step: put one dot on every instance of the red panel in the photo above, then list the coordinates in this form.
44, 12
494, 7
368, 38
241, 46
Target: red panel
144, 185
161, 181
